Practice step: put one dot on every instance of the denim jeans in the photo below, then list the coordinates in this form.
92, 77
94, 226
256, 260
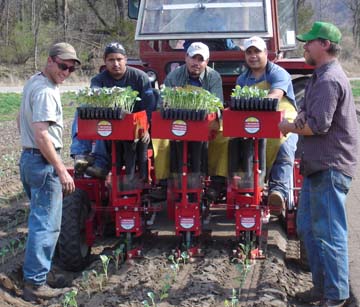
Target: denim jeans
281, 173
322, 226
42, 186
78, 147
129, 154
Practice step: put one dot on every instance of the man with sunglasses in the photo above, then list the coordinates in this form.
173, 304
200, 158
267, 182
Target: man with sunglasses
43, 174
330, 146
117, 73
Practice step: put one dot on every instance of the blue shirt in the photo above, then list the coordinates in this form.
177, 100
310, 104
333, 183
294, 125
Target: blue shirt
276, 76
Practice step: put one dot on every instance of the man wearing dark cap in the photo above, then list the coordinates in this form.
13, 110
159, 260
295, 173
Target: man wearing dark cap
117, 73
327, 120
43, 174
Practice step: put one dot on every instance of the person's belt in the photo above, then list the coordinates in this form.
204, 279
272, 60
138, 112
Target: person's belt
36, 150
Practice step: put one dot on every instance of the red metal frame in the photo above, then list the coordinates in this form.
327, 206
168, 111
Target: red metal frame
187, 215
246, 204
126, 207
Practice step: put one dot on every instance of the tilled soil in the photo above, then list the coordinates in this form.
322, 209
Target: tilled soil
206, 281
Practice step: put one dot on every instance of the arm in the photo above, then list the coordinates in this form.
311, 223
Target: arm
285, 127
47, 149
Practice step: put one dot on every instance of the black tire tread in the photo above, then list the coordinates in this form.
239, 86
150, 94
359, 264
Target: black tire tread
76, 208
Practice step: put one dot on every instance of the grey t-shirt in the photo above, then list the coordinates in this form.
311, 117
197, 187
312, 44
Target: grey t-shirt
41, 103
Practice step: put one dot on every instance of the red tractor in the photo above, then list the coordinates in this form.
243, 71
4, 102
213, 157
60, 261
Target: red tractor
163, 26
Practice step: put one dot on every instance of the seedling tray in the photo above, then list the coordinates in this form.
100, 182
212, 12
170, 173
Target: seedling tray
254, 104
252, 124
185, 130
130, 127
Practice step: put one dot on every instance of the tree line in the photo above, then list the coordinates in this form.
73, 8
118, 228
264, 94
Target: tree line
29, 27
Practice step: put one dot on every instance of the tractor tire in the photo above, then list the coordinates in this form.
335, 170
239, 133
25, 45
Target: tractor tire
72, 252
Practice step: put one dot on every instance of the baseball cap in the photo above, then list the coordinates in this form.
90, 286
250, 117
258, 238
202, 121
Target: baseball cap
254, 41
199, 48
114, 47
64, 51
323, 30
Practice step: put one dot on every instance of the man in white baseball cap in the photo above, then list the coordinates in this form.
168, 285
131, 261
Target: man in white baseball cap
254, 41
280, 153
195, 72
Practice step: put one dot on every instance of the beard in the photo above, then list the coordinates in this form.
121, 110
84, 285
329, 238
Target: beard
308, 59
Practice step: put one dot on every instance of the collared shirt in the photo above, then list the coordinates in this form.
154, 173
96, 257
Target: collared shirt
331, 115
210, 80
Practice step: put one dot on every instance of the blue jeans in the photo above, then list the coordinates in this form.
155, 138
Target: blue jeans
281, 173
78, 147
322, 226
43, 187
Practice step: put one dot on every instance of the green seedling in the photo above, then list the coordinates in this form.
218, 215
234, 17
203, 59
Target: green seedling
105, 262
243, 265
70, 299
151, 295
175, 266
85, 282
12, 246
164, 293
185, 256
234, 302
3, 252
99, 278
22, 244
118, 256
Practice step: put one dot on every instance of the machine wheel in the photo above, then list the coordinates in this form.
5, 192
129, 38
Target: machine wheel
72, 252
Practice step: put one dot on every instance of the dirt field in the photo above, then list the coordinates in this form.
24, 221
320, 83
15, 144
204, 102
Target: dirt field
205, 282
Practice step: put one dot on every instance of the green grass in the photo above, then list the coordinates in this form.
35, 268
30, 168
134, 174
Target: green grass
355, 85
10, 104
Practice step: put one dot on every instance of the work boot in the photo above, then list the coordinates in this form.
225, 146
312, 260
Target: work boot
96, 172
33, 293
315, 294
333, 303
276, 203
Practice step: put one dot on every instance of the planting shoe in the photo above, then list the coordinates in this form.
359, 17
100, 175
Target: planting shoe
310, 296
33, 293
276, 203
97, 172
333, 303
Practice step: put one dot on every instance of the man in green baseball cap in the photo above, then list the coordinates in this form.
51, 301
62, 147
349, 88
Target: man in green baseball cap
326, 119
324, 30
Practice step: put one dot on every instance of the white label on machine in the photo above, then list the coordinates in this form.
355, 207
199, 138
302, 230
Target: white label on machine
179, 127
247, 222
104, 128
186, 222
127, 224
252, 125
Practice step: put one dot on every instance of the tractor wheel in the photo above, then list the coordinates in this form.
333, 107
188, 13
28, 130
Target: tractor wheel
72, 252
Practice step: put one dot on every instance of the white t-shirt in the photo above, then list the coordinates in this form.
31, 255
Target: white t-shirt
41, 103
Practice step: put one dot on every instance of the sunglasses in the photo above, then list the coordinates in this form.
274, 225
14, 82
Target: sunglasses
64, 67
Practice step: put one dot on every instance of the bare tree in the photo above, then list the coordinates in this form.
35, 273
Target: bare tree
354, 6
